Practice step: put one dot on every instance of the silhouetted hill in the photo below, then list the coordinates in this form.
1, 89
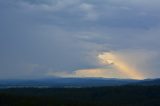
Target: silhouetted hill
66, 82
76, 82
148, 82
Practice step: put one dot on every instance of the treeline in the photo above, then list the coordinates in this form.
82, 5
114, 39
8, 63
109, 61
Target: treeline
102, 96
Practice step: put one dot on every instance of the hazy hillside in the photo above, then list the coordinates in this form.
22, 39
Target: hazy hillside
76, 82
148, 82
66, 82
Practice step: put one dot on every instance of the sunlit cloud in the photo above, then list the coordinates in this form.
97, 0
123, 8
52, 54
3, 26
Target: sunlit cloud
108, 58
93, 73
116, 64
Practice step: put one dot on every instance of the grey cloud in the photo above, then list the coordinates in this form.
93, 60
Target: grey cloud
66, 35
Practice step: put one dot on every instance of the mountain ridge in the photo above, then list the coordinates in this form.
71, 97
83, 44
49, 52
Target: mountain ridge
76, 82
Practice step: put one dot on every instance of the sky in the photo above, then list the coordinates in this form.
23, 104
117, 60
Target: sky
79, 38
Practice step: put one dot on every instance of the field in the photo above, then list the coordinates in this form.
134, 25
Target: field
98, 96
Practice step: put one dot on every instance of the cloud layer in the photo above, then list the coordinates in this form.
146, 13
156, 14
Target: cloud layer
38, 37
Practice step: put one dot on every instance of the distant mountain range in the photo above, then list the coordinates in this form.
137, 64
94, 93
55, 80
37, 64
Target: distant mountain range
148, 82
75, 82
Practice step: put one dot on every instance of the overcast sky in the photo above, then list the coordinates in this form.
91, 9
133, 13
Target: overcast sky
47, 38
